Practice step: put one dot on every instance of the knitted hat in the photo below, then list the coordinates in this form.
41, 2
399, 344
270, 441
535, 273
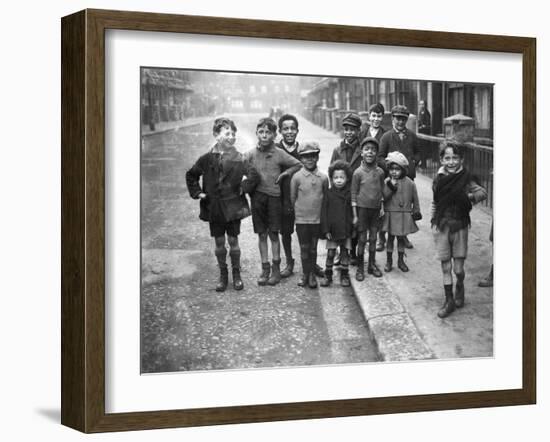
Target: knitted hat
308, 147
397, 158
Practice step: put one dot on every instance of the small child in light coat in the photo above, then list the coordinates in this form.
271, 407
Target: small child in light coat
401, 208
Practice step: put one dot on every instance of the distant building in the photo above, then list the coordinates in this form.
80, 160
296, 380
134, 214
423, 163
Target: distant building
332, 95
164, 95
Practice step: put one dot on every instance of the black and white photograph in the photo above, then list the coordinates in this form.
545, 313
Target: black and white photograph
295, 221
292, 220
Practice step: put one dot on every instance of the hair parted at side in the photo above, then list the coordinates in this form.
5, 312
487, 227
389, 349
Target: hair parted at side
269, 122
287, 117
339, 165
377, 108
458, 148
222, 122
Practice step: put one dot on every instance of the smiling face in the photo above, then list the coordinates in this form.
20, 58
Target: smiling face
309, 160
451, 161
369, 152
265, 136
350, 133
399, 122
375, 119
339, 178
289, 131
225, 137
395, 171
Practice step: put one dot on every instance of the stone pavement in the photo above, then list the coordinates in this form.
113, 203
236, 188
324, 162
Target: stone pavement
401, 308
164, 126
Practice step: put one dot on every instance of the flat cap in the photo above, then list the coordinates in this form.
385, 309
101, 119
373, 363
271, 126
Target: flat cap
308, 147
352, 119
370, 140
399, 111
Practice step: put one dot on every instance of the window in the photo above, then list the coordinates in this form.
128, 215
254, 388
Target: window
482, 107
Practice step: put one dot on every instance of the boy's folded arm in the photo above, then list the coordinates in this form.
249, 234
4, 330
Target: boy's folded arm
476, 193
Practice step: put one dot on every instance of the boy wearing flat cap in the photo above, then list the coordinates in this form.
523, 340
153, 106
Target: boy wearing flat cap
400, 139
349, 150
308, 188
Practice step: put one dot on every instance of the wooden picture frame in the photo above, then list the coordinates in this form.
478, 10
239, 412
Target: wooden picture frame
83, 220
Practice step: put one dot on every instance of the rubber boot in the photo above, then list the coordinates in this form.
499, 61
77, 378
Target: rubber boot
449, 305
381, 243
224, 279
236, 269
372, 267
327, 280
344, 278
389, 262
459, 292
237, 281
289, 269
275, 277
360, 273
304, 279
262, 280
401, 263
312, 280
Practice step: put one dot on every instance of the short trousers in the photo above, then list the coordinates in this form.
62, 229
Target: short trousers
308, 232
287, 221
451, 245
266, 212
368, 219
232, 228
339, 243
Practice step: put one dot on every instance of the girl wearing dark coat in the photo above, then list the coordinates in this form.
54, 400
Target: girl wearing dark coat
337, 221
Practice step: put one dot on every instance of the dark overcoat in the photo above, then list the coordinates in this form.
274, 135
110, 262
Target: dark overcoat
339, 153
222, 182
391, 142
337, 214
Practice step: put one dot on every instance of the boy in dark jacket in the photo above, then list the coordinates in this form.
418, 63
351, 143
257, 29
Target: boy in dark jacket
222, 202
455, 191
337, 221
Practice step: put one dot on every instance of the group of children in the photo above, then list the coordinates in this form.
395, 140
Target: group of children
369, 192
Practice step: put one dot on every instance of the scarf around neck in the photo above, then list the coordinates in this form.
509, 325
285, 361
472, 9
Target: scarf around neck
452, 205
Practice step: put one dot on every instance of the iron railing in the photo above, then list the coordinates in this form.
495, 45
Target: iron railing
478, 159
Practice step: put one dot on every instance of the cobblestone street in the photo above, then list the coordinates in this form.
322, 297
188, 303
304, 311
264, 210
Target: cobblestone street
187, 325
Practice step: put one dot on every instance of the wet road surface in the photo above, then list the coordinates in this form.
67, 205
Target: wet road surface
185, 323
